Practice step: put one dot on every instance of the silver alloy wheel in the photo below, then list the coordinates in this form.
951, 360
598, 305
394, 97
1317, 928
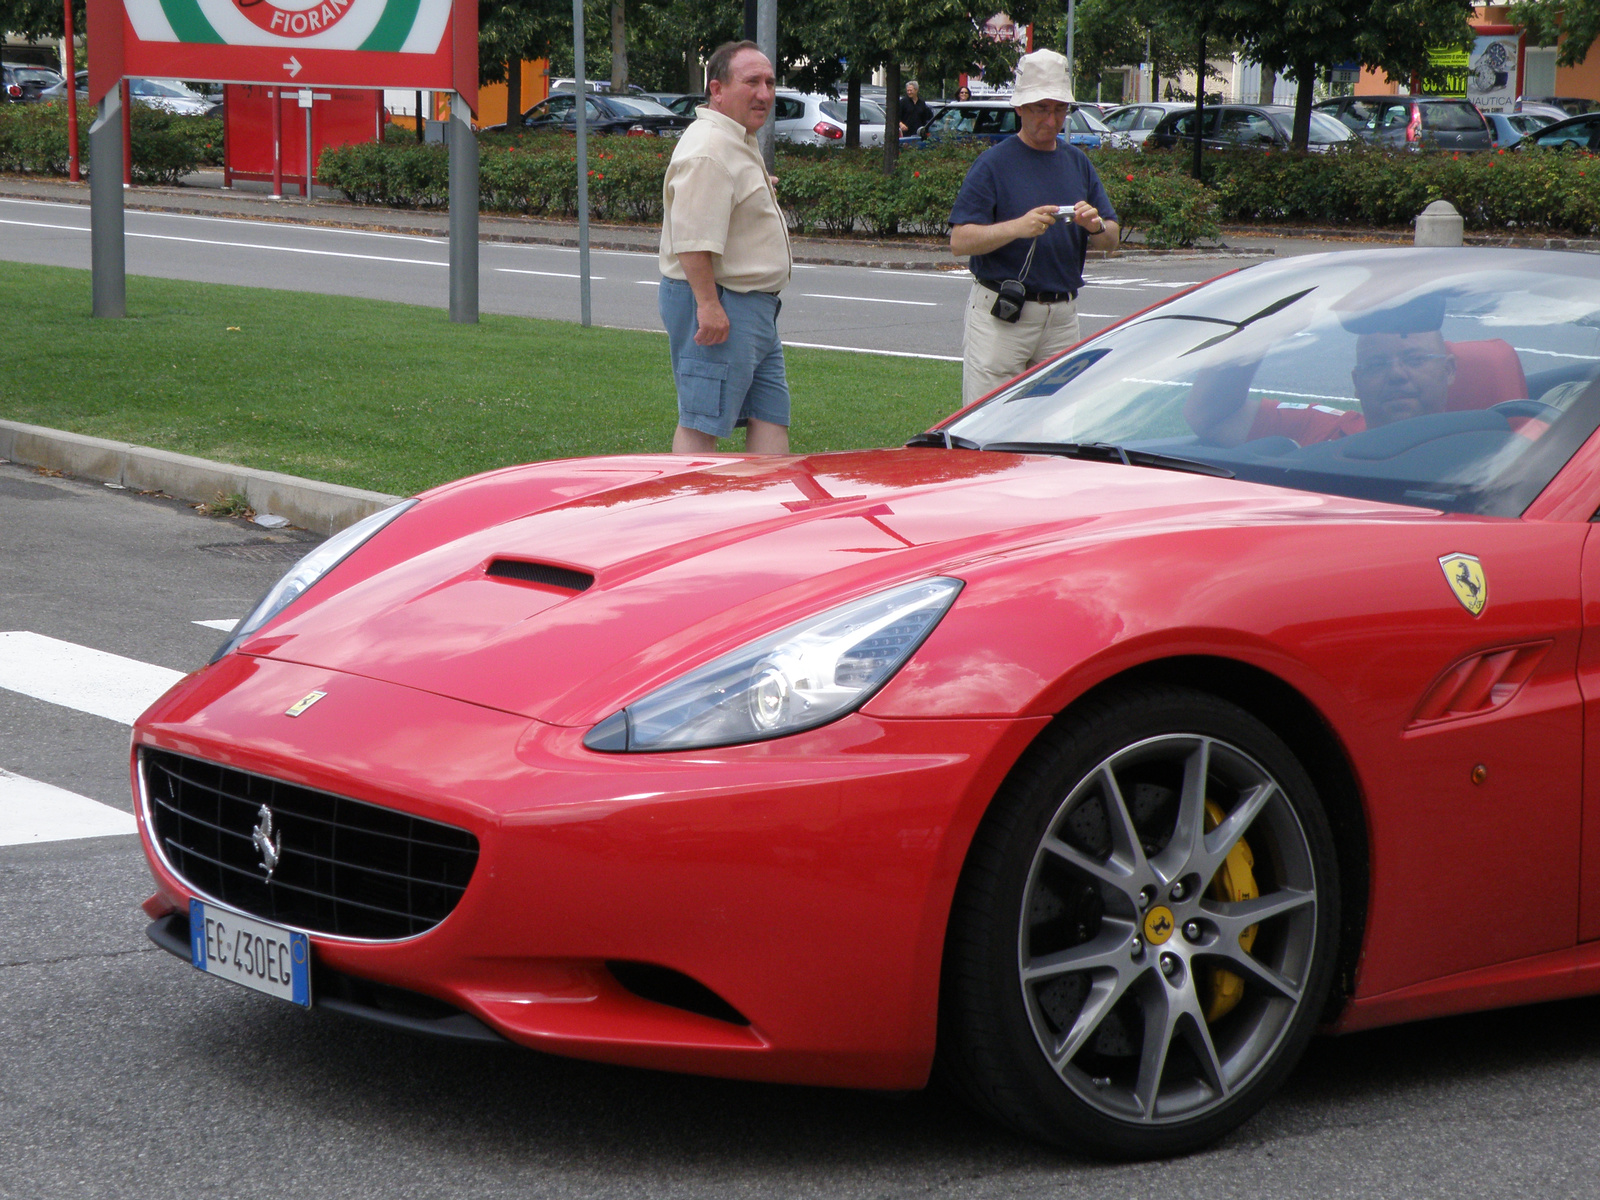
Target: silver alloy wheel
1123, 929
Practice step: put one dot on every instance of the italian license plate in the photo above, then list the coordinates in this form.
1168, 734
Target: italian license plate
255, 953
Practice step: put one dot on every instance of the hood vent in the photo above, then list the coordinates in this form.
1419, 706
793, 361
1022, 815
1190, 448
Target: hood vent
564, 578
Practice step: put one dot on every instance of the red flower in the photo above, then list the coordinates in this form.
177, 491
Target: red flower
918, 174
1130, 178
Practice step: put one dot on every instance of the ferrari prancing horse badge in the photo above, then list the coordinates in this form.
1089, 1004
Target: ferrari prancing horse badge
1467, 581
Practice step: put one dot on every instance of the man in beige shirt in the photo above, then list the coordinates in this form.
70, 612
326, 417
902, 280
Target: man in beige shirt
724, 258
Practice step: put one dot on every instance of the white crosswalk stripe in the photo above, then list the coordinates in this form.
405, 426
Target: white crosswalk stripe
31, 811
81, 678
75, 676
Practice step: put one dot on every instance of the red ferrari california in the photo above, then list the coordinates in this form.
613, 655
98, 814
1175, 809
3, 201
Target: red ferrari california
1224, 680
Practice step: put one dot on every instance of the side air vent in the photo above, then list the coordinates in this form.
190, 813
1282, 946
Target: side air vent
564, 578
663, 985
1480, 684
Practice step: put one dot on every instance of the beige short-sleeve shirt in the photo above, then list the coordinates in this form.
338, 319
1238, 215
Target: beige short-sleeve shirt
717, 196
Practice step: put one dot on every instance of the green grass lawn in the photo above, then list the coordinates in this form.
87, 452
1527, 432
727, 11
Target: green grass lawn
389, 396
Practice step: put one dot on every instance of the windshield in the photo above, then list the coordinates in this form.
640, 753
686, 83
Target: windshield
1325, 130
1458, 380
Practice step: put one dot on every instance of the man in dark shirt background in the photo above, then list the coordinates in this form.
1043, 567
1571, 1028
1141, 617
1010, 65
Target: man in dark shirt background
914, 111
1029, 209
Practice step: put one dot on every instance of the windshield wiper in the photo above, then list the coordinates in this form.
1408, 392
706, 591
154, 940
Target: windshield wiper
1110, 452
943, 440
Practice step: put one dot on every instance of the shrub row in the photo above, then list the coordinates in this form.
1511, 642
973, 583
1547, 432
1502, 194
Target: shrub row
824, 190
33, 140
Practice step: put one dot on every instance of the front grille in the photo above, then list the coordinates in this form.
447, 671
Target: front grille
344, 867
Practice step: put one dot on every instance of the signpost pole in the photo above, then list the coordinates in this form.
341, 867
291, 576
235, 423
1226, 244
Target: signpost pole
767, 39
463, 213
108, 265
580, 110
276, 95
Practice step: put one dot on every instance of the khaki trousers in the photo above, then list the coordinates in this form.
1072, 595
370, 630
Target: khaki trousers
994, 351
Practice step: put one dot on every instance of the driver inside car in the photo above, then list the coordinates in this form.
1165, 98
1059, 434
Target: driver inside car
1403, 369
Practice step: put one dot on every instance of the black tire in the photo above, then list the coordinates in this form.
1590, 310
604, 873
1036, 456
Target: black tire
1097, 935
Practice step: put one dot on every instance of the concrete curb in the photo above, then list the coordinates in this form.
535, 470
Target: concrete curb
321, 507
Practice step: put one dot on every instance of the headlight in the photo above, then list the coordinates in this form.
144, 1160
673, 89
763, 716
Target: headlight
798, 678
308, 570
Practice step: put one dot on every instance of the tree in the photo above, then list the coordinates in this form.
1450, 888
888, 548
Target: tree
40, 19
1574, 23
1112, 33
1301, 38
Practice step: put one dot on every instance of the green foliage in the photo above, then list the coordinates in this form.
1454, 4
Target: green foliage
33, 137
1576, 23
165, 147
1531, 191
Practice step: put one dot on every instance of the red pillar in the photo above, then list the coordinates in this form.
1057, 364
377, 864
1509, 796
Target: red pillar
73, 172
276, 96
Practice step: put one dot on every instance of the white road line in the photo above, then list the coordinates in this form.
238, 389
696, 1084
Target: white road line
554, 274
227, 624
865, 350
31, 811
73, 676
172, 237
869, 299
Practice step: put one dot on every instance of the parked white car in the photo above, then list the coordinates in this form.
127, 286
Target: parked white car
1134, 122
813, 120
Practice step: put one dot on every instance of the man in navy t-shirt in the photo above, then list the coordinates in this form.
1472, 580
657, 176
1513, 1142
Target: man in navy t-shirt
1011, 204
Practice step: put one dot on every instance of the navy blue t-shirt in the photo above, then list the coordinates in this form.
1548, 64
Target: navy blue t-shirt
1012, 177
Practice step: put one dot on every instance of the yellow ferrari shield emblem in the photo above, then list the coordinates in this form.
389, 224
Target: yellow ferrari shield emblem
1467, 581
305, 702
1158, 924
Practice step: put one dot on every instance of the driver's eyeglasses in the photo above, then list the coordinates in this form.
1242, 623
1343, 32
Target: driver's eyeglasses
1409, 363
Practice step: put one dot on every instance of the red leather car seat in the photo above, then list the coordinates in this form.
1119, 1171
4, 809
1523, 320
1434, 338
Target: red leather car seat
1487, 372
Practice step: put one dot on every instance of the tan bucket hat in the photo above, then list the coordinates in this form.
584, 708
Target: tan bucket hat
1041, 75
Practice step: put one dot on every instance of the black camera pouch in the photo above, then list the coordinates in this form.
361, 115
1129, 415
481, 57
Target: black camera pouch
1008, 304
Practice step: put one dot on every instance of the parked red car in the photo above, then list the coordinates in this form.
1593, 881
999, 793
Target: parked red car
1228, 677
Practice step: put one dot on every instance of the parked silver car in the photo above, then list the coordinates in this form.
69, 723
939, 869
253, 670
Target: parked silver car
1134, 122
808, 119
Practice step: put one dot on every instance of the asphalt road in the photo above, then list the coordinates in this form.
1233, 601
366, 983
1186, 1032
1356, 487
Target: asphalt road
853, 308
124, 1073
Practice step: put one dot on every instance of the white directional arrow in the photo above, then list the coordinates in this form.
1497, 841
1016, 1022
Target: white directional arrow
292, 66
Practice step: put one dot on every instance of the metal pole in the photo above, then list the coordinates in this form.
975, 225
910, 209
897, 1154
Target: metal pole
305, 191
463, 214
1072, 61
767, 39
276, 96
70, 70
108, 264
580, 111
125, 93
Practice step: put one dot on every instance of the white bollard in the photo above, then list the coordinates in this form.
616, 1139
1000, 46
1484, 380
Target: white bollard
1439, 225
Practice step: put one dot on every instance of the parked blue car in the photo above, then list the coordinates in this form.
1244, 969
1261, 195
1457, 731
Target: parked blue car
1508, 129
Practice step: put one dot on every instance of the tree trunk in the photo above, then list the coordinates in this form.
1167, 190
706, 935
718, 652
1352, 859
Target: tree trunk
619, 48
1306, 78
852, 111
1200, 106
891, 116
1269, 86
514, 92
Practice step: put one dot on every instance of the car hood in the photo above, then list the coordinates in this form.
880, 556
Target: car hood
690, 560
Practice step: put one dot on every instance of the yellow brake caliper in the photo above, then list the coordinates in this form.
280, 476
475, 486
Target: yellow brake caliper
1235, 880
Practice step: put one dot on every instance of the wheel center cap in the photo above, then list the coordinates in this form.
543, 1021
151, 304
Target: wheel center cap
1158, 925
